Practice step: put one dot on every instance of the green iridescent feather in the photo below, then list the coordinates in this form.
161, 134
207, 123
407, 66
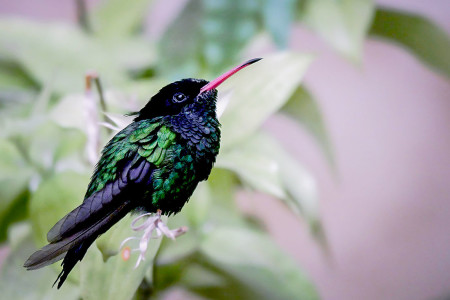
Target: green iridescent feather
148, 138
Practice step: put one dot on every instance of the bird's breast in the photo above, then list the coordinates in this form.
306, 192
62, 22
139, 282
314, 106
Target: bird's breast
201, 135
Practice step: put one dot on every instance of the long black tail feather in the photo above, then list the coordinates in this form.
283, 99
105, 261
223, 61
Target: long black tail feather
74, 255
73, 248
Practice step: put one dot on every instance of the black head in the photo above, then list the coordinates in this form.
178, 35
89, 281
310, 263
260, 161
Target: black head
186, 94
179, 95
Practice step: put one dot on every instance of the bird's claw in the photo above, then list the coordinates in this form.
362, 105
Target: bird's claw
153, 223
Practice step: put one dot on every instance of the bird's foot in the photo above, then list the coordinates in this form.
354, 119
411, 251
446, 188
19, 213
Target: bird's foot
153, 223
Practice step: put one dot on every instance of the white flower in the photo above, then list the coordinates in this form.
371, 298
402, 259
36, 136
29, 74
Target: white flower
153, 223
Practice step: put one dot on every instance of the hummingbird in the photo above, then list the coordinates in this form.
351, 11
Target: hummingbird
153, 165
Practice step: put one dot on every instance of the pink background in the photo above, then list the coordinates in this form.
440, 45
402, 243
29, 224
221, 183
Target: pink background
387, 211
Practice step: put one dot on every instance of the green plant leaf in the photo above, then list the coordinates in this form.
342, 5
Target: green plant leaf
298, 183
105, 275
303, 108
258, 92
199, 204
62, 54
263, 164
52, 148
201, 278
207, 35
70, 112
227, 27
12, 204
183, 247
214, 203
343, 24
254, 167
54, 198
13, 77
257, 265
415, 33
14, 102
278, 17
15, 175
223, 184
181, 43
235, 261
11, 160
18, 283
117, 18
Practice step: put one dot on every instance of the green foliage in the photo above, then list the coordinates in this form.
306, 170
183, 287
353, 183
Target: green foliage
343, 24
59, 53
54, 198
268, 274
13, 77
417, 34
13, 190
105, 275
303, 108
45, 130
278, 16
118, 19
197, 42
18, 283
278, 77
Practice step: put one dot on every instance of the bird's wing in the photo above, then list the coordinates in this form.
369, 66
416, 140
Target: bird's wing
107, 202
124, 172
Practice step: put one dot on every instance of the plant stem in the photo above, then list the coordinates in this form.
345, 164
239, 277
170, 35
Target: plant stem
83, 16
92, 76
92, 126
98, 84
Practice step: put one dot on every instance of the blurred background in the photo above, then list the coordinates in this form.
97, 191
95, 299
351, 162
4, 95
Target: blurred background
336, 145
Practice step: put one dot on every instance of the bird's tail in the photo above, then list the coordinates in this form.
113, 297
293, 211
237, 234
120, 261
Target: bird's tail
73, 247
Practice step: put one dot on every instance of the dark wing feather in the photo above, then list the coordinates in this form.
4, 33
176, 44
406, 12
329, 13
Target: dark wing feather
72, 236
119, 166
103, 202
120, 180
56, 251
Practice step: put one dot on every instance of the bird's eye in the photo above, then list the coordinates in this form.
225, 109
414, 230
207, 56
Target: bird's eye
179, 97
